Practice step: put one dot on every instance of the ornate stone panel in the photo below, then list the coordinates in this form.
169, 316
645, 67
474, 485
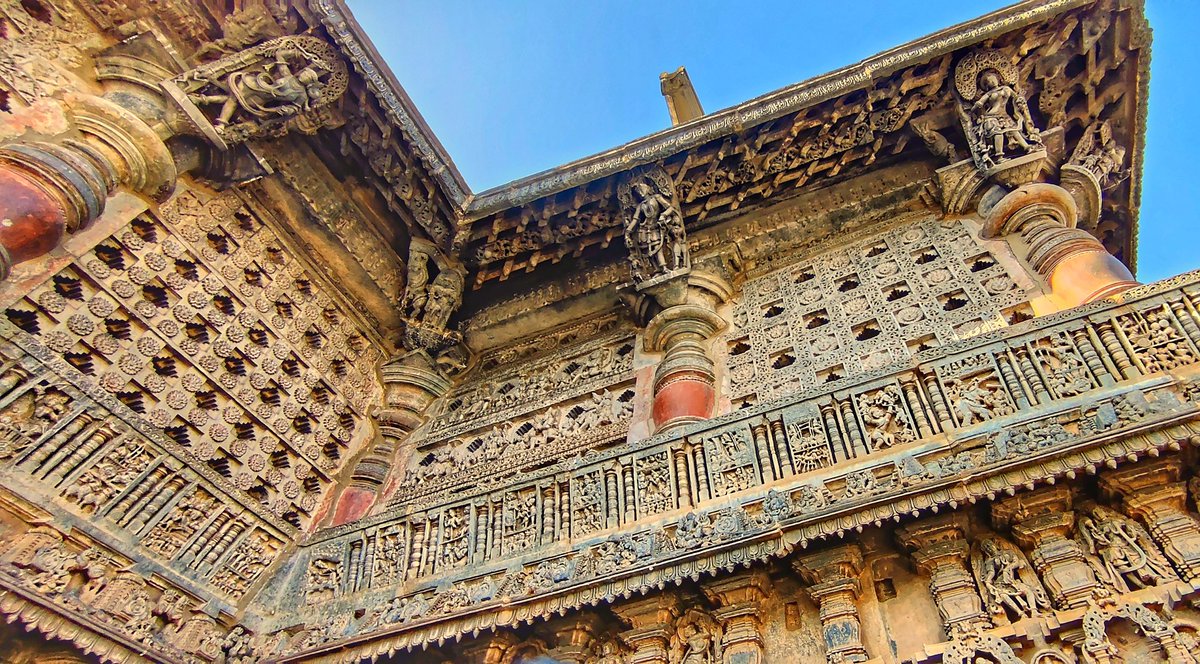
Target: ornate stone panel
205, 325
859, 307
57, 441
530, 402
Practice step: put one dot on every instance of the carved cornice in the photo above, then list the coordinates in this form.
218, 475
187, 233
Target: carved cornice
342, 25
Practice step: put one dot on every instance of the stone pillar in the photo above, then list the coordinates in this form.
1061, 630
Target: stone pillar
411, 383
940, 549
740, 599
53, 187
684, 381
652, 620
832, 576
490, 650
1152, 493
1042, 522
1039, 219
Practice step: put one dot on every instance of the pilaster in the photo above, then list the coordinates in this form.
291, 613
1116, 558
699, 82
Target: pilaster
652, 620
940, 550
1042, 522
740, 599
832, 576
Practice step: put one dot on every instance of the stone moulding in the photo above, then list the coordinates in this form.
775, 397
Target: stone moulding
35, 613
1141, 400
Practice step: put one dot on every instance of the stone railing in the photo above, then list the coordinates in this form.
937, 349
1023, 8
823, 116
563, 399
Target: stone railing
1016, 407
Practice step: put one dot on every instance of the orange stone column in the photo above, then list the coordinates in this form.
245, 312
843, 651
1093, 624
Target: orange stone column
685, 381
1039, 220
411, 383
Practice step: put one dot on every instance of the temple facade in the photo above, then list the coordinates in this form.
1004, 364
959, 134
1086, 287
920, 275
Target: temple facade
856, 371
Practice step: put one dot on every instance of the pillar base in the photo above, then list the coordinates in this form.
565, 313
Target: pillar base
681, 400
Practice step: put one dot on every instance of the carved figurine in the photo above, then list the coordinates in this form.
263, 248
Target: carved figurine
445, 293
236, 647
1098, 153
415, 294
274, 90
994, 114
654, 230
977, 399
696, 640
1005, 580
1122, 554
257, 91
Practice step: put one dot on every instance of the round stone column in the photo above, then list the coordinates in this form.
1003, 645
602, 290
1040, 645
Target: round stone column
1040, 220
411, 383
51, 188
684, 381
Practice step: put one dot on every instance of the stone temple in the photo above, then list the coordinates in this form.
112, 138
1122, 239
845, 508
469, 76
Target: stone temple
856, 371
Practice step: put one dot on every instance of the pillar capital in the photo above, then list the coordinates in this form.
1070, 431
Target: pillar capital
940, 550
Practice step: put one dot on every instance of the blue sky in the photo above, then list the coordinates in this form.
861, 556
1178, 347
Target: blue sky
513, 88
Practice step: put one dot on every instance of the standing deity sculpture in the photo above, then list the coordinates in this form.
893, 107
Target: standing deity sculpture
1008, 585
993, 112
1121, 552
256, 92
654, 230
415, 294
445, 294
696, 639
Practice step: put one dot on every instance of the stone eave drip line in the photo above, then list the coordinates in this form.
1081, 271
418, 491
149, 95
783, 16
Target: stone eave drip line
338, 19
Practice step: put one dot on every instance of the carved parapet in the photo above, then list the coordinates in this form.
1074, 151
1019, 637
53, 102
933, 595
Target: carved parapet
832, 578
940, 550
1153, 493
1075, 267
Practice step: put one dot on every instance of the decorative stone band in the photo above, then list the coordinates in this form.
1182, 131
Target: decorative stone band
1122, 390
428, 623
90, 636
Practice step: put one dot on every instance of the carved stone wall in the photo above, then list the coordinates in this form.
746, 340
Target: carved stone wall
567, 391
204, 326
838, 313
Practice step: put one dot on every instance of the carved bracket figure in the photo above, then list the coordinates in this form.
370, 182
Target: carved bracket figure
995, 116
261, 91
654, 232
429, 302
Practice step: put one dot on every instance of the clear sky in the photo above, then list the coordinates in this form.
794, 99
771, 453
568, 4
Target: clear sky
516, 87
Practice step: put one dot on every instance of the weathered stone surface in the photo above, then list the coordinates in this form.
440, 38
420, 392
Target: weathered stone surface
803, 380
